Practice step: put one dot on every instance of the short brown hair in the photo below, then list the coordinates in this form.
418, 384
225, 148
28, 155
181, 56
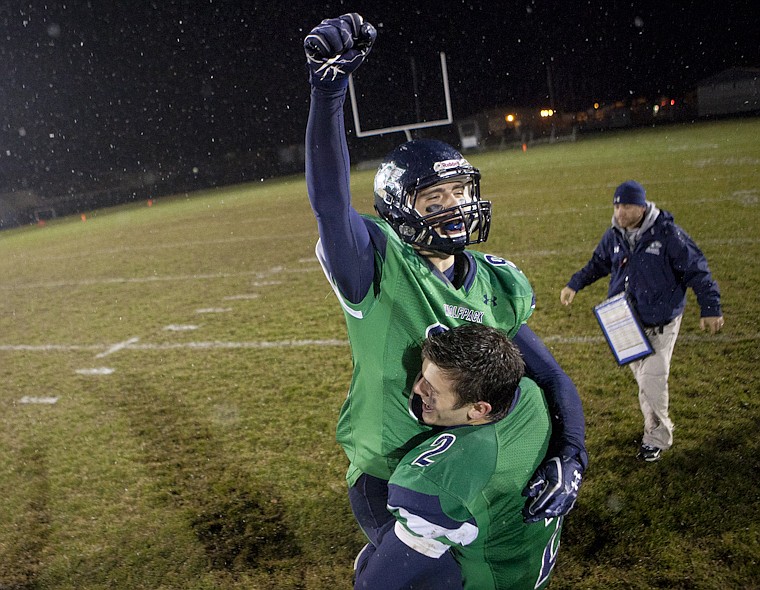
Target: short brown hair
482, 362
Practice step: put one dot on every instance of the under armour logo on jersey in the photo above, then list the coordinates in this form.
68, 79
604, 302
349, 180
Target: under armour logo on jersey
489, 300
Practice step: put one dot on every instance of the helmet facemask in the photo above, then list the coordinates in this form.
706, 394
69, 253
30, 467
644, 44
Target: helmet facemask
450, 229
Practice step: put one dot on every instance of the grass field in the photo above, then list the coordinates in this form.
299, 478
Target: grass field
197, 360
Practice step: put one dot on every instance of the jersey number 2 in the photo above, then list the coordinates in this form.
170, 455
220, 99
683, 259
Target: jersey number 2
440, 445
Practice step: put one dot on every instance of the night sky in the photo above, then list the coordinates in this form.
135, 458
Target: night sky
92, 92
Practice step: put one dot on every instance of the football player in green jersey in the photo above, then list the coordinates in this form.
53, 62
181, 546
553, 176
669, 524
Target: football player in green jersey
459, 491
407, 273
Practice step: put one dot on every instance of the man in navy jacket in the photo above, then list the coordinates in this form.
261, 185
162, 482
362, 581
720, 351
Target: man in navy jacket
653, 261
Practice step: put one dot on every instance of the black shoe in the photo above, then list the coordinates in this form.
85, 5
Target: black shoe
649, 454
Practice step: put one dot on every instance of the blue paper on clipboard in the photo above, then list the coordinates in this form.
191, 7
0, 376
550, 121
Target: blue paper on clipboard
621, 328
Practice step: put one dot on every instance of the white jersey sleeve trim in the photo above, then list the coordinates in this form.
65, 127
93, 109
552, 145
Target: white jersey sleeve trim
428, 547
323, 263
423, 529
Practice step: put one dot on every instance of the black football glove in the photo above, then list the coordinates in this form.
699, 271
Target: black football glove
336, 47
553, 489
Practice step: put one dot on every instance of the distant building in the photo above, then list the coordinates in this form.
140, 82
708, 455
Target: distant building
736, 90
511, 126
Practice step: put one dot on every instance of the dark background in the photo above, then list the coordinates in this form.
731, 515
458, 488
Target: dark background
125, 100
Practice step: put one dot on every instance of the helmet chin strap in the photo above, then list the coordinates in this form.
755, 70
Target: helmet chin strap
429, 251
425, 246
435, 257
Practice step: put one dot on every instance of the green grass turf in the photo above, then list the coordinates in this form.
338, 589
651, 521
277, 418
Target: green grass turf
206, 459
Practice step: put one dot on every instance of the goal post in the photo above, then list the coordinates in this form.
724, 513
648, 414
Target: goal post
405, 128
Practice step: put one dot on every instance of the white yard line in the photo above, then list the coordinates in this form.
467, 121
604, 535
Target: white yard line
168, 346
238, 345
49, 347
215, 345
37, 400
158, 279
241, 297
167, 246
117, 347
95, 371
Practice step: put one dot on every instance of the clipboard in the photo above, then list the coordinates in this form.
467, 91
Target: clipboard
622, 330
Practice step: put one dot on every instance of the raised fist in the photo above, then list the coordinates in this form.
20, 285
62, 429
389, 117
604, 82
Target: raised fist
336, 47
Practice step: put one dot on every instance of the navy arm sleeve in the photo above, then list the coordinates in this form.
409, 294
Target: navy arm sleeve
565, 408
393, 565
345, 239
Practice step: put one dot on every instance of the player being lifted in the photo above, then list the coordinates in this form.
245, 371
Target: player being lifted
458, 492
407, 273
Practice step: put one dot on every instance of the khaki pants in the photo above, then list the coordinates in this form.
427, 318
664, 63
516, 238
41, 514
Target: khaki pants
651, 374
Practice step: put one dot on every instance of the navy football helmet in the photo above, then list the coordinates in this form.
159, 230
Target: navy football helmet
417, 165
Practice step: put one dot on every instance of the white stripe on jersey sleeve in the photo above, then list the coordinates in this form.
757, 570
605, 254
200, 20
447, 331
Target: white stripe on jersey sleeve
323, 263
428, 547
419, 529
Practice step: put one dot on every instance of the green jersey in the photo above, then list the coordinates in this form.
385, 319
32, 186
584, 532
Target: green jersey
408, 299
461, 491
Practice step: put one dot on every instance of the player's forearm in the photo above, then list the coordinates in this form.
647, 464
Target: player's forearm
568, 423
345, 240
565, 407
327, 160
